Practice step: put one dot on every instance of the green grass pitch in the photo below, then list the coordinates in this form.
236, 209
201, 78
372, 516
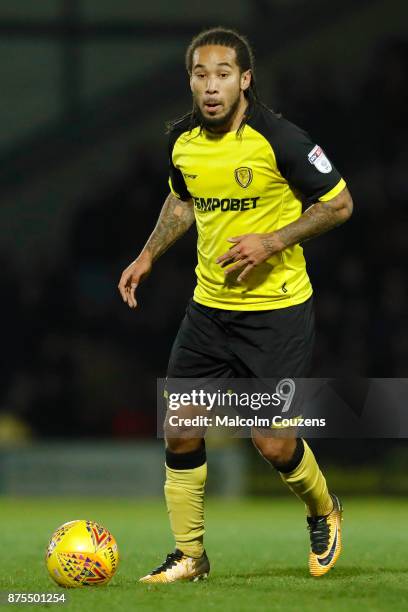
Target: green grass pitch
258, 550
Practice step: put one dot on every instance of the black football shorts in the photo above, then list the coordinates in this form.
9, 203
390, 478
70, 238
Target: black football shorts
271, 344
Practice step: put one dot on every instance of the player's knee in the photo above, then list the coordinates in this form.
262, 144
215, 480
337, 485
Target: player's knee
183, 445
184, 425
276, 451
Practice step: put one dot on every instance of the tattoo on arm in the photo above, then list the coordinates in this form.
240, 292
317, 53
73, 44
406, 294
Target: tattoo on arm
176, 217
268, 244
318, 219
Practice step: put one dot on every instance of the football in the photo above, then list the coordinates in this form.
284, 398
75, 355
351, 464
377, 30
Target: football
82, 553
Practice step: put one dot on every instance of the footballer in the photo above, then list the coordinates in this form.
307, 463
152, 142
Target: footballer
243, 175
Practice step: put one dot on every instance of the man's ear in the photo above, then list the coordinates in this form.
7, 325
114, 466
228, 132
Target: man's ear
246, 78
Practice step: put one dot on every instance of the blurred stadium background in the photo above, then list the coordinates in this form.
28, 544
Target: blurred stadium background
87, 86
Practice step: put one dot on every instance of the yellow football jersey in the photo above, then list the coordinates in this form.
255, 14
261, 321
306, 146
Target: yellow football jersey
250, 181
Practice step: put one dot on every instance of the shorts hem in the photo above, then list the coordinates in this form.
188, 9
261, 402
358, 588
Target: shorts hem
275, 305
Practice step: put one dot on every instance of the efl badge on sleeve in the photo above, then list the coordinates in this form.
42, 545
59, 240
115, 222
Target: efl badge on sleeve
319, 160
243, 176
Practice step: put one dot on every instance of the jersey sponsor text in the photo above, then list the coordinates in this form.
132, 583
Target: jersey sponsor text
225, 204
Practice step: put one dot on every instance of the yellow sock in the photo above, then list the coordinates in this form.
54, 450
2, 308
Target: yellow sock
184, 491
308, 483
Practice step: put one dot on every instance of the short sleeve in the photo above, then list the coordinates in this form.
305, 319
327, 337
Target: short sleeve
176, 180
304, 164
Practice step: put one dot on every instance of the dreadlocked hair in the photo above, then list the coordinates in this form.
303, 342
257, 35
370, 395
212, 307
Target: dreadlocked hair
244, 58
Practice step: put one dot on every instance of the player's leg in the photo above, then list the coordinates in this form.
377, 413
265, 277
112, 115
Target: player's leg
300, 471
186, 473
298, 468
198, 352
280, 345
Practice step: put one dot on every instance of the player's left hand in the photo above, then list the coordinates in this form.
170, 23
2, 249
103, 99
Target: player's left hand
248, 251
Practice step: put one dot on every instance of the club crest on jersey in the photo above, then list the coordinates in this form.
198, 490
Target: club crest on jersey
243, 176
319, 160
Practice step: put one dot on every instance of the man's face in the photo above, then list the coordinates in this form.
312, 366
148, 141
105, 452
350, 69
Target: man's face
217, 85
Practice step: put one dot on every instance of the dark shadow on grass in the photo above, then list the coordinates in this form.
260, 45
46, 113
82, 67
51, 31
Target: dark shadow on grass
337, 573
352, 571
277, 572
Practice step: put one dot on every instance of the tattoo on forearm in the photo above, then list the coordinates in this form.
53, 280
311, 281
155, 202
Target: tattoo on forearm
316, 220
175, 219
268, 244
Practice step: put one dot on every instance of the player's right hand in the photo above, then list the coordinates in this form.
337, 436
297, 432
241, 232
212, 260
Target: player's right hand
137, 271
